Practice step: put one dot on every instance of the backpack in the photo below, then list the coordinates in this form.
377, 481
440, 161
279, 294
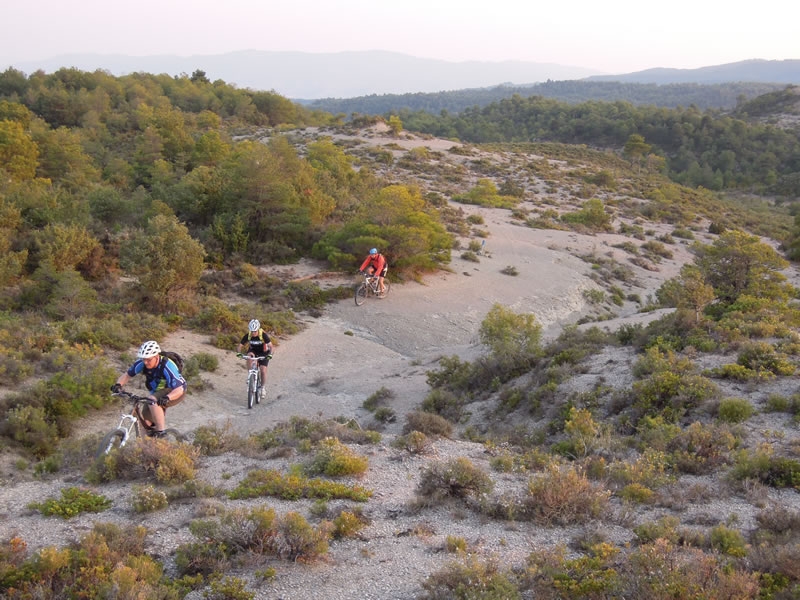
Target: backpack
174, 357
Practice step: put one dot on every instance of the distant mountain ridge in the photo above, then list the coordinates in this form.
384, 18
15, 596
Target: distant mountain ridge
751, 71
307, 76
333, 75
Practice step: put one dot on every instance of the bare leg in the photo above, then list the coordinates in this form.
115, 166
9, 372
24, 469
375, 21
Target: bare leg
154, 414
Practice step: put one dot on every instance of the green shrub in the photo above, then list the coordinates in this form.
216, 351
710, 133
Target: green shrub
148, 499
201, 558
672, 394
348, 524
509, 270
734, 410
334, 459
228, 588
702, 448
780, 403
666, 528
414, 442
378, 398
563, 496
470, 580
205, 361
297, 539
384, 414
648, 469
166, 461
108, 561
455, 544
428, 424
444, 403
728, 541
592, 216
636, 492
455, 478
213, 440
260, 482
761, 465
738, 372
761, 356
73, 502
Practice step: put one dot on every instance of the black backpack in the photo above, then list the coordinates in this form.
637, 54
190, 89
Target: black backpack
174, 357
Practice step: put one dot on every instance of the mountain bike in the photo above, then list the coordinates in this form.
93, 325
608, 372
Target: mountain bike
131, 426
254, 382
370, 287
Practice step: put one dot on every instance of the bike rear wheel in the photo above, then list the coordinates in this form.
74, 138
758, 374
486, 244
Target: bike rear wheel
252, 390
259, 387
112, 440
361, 294
386, 286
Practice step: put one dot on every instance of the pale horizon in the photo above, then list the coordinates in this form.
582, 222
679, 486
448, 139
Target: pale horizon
619, 36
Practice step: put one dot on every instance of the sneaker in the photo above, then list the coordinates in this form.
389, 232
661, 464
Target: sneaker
263, 393
156, 434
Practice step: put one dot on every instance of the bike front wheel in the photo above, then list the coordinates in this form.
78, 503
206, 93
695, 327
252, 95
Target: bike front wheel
112, 440
252, 390
361, 294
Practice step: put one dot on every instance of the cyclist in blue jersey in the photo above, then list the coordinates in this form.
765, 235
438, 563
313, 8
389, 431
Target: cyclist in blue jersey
163, 381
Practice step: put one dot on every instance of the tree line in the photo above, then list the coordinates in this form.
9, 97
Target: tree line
700, 148
703, 96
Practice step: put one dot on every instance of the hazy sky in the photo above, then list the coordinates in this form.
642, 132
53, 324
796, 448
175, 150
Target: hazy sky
613, 36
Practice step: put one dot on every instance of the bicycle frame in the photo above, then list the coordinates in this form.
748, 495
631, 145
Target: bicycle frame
130, 424
254, 381
370, 287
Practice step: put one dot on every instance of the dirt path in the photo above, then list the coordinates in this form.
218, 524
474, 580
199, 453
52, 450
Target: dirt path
344, 356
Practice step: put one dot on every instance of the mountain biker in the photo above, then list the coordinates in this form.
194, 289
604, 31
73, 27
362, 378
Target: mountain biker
163, 380
376, 263
258, 345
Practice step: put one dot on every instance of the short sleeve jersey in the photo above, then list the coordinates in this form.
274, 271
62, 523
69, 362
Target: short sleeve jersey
258, 344
164, 375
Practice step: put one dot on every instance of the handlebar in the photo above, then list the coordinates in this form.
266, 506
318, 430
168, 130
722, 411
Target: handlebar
256, 358
133, 397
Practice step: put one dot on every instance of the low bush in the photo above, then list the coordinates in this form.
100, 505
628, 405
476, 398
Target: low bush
107, 562
148, 499
260, 482
728, 541
414, 442
73, 501
228, 588
167, 462
378, 398
761, 465
348, 524
334, 459
454, 478
563, 496
428, 423
470, 580
734, 410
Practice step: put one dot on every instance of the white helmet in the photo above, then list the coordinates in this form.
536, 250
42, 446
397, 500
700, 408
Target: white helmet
149, 350
255, 325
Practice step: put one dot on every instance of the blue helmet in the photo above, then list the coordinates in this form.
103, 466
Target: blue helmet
373, 251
